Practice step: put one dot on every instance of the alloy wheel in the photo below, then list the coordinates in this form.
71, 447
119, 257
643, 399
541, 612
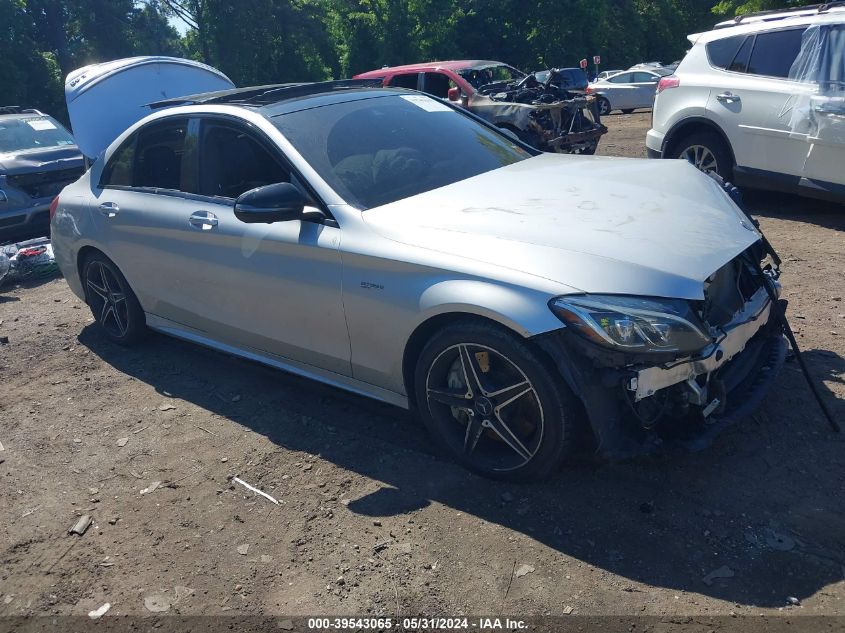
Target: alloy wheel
494, 414
702, 157
107, 299
604, 107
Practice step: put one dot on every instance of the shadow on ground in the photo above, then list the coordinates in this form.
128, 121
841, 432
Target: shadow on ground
765, 502
772, 204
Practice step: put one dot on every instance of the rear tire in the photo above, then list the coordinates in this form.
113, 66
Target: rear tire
604, 106
705, 150
495, 402
112, 302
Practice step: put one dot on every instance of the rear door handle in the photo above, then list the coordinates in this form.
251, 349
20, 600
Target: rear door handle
203, 220
109, 209
728, 97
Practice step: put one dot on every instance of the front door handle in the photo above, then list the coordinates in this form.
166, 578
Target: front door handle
203, 220
109, 209
728, 97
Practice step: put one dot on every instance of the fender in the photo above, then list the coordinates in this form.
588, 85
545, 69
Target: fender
524, 311
694, 121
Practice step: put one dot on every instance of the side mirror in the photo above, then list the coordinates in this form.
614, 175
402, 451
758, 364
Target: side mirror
279, 202
454, 94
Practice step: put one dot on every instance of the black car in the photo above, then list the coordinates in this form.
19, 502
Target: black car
38, 158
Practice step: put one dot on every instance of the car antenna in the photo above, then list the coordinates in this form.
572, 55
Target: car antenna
778, 305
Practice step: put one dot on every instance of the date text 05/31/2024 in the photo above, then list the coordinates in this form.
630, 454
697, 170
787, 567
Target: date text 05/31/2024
416, 624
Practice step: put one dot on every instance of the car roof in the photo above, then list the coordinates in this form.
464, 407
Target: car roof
453, 65
771, 21
810, 10
15, 112
274, 94
276, 99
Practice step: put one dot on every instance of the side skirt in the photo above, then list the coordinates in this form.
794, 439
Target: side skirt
762, 179
347, 383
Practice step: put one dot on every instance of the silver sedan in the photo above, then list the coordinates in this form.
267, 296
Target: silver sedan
387, 243
628, 90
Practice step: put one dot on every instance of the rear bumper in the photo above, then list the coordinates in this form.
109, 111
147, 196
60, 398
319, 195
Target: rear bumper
654, 143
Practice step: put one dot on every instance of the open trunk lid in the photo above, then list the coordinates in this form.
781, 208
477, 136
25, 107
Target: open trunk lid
105, 99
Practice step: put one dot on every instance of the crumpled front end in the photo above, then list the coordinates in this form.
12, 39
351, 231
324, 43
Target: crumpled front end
543, 115
637, 402
28, 183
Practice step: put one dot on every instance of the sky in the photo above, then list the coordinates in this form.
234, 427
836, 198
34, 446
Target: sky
178, 24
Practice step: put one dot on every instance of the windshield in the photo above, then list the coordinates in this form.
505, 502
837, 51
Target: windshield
19, 134
377, 150
479, 76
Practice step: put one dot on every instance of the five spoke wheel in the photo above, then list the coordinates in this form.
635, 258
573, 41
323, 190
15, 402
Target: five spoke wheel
494, 408
112, 302
107, 299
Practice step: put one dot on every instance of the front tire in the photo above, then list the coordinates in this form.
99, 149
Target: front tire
113, 304
706, 151
495, 402
604, 106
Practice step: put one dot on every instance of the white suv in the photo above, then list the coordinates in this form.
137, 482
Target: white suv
761, 100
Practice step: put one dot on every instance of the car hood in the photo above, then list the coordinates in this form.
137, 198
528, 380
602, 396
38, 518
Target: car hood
41, 159
592, 224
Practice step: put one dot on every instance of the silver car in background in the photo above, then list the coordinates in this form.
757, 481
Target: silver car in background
393, 245
628, 90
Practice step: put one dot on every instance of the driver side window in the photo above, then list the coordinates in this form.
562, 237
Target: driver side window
624, 78
233, 161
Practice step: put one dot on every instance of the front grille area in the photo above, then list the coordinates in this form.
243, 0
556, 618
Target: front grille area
42, 184
728, 289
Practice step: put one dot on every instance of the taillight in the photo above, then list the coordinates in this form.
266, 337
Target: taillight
668, 82
53, 206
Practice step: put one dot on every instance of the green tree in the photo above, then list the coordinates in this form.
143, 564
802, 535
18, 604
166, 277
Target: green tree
30, 76
741, 7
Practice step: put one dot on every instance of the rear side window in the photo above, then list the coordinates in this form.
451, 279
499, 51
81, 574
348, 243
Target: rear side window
775, 52
740, 62
405, 81
643, 78
722, 52
437, 84
153, 157
118, 171
159, 155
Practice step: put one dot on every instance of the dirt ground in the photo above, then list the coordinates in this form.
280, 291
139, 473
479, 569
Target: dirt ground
371, 519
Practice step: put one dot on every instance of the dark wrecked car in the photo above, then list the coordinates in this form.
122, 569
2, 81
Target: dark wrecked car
546, 114
38, 158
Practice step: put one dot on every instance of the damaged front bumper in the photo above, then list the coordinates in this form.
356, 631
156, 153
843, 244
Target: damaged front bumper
564, 126
737, 333
638, 408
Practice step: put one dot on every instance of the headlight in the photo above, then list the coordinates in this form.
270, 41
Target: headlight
633, 324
